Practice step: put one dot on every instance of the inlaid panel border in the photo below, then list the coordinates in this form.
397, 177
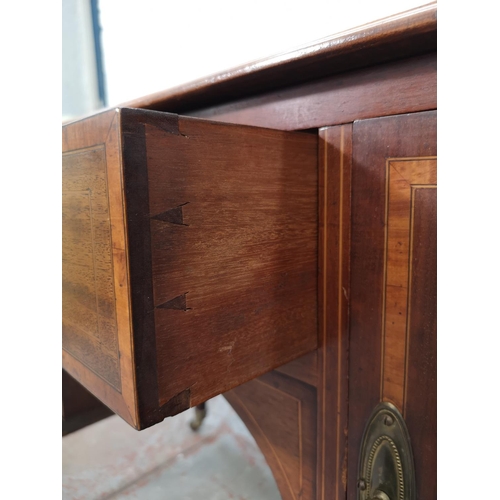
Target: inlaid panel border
300, 439
335, 165
104, 128
302, 398
403, 177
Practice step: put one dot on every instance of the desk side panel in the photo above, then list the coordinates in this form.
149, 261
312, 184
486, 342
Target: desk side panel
231, 217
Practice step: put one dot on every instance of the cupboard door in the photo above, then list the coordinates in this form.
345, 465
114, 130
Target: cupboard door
393, 285
189, 257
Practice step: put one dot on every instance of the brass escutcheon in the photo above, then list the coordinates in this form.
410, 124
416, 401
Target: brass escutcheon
386, 470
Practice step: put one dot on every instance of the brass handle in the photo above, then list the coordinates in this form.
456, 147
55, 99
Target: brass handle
386, 468
380, 495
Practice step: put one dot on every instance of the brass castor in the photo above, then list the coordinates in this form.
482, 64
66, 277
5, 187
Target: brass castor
200, 412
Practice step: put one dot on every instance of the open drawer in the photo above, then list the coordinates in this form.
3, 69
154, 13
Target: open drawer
189, 257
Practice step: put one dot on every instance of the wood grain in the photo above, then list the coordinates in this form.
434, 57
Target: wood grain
89, 319
97, 348
399, 36
404, 176
421, 388
237, 276
280, 412
79, 407
333, 290
304, 368
197, 271
223, 245
403, 86
375, 142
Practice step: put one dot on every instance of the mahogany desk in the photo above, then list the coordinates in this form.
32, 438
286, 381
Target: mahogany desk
270, 234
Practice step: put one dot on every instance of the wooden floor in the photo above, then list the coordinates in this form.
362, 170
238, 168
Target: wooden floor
110, 460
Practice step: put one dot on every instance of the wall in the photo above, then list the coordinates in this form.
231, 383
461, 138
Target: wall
79, 79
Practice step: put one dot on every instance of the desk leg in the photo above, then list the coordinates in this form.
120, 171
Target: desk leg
199, 416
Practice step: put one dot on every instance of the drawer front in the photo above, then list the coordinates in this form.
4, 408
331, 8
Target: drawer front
190, 257
96, 323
